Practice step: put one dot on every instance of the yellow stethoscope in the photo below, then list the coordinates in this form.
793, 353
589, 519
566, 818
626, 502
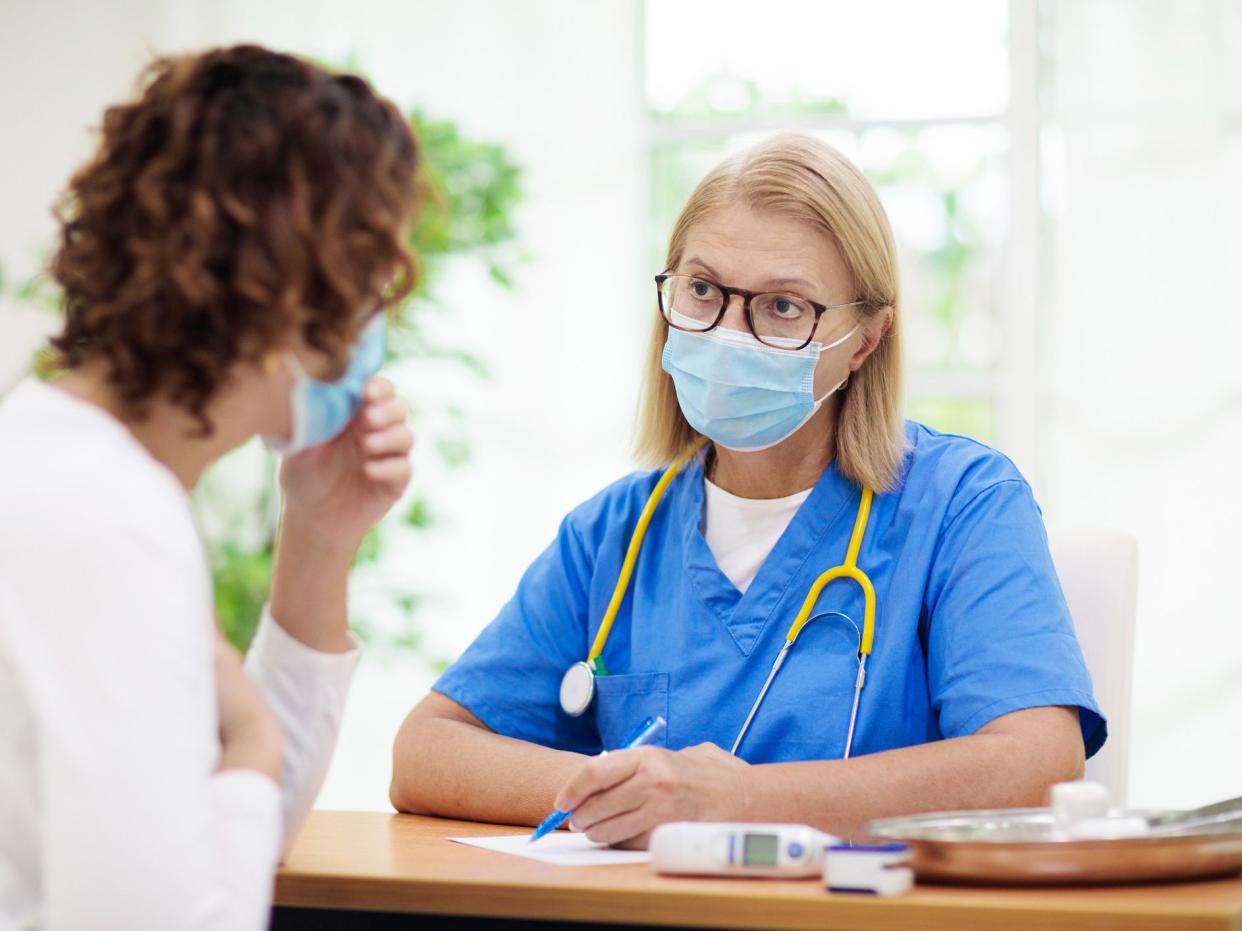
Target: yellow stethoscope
578, 683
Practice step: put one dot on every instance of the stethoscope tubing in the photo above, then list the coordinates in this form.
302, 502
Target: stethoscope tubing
849, 570
859, 681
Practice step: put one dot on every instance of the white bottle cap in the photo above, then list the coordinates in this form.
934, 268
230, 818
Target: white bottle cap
1073, 801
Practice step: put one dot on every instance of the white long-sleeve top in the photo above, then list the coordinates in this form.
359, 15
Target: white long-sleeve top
112, 814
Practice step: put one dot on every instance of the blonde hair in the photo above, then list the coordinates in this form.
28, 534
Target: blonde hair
805, 179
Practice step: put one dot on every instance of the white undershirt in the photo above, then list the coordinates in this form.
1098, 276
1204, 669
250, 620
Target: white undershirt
741, 532
112, 815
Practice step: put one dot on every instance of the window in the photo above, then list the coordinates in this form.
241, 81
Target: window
931, 122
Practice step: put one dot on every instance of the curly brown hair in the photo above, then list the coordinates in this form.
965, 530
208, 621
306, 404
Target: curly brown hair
245, 193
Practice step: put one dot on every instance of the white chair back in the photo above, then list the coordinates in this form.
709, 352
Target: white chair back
1099, 575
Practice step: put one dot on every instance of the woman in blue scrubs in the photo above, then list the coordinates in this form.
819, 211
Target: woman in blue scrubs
774, 371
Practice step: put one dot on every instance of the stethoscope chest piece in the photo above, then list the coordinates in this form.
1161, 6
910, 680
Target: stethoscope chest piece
577, 689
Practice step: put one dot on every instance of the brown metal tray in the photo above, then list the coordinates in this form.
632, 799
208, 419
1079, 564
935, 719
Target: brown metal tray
1023, 846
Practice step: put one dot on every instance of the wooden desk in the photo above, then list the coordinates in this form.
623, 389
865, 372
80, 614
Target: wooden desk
354, 862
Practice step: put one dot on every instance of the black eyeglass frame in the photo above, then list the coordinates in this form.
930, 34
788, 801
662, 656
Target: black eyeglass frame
747, 297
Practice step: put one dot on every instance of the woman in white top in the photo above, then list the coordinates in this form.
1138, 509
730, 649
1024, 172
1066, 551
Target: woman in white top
225, 257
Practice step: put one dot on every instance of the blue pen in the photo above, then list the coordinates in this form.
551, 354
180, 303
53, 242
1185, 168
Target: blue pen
646, 732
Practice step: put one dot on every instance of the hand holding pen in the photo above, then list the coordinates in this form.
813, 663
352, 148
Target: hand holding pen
646, 732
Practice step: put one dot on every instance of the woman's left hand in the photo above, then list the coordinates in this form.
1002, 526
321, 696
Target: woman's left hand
620, 797
336, 492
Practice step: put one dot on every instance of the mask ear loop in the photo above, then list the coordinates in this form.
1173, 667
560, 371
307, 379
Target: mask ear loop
831, 392
841, 384
838, 341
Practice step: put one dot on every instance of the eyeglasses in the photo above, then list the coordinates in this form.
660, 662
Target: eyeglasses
781, 321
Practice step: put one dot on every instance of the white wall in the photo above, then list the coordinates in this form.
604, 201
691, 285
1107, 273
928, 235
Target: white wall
52, 88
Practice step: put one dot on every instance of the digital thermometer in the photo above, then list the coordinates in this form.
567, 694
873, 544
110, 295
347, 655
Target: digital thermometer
705, 848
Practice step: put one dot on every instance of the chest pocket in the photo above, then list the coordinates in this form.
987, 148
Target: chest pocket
624, 702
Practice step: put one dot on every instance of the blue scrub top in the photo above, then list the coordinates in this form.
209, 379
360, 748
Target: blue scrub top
971, 622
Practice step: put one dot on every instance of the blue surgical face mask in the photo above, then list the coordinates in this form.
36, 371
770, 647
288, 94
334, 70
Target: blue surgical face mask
319, 410
740, 393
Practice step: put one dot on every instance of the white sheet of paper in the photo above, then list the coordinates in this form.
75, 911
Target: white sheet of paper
560, 847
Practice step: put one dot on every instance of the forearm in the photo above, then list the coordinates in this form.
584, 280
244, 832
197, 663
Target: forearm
306, 690
258, 748
984, 770
310, 583
459, 770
